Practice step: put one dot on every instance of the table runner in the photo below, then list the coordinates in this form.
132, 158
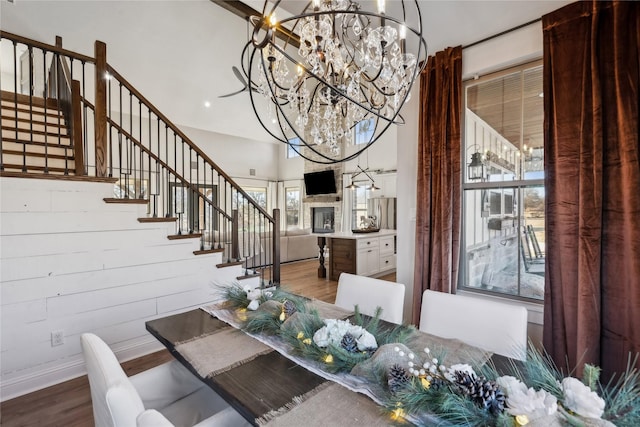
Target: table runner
329, 405
457, 352
232, 348
222, 350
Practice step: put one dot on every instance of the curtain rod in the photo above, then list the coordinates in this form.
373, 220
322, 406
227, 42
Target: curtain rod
502, 33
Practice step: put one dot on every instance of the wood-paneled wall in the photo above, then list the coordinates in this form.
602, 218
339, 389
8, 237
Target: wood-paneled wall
70, 262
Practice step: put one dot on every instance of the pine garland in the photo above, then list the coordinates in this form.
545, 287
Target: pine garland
455, 398
623, 397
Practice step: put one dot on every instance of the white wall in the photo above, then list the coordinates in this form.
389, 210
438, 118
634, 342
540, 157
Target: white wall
513, 48
64, 267
406, 190
237, 156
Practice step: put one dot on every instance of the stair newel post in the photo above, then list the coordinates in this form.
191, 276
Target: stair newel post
76, 128
276, 248
101, 108
235, 250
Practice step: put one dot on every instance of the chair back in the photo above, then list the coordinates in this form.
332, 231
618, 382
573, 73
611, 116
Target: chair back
106, 375
490, 325
368, 294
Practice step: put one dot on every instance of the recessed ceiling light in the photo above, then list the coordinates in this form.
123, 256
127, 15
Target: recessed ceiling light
207, 104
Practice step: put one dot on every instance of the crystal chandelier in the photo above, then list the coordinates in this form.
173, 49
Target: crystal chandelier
338, 65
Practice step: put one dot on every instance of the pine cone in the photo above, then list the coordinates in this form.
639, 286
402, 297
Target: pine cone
436, 384
349, 343
397, 378
485, 394
289, 308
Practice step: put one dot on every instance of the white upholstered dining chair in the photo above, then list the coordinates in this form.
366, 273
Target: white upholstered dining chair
166, 395
490, 325
368, 294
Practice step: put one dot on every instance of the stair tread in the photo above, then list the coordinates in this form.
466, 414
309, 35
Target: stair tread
158, 219
50, 169
34, 132
208, 251
41, 155
12, 174
12, 98
26, 109
229, 264
126, 201
184, 236
52, 123
41, 143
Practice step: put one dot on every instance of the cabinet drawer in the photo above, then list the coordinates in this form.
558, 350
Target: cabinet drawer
387, 245
387, 262
368, 243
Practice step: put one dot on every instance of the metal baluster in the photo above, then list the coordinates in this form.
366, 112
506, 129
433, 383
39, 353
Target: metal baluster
45, 97
24, 146
120, 139
170, 192
142, 152
85, 141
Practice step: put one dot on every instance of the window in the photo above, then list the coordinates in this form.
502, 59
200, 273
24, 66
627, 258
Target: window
250, 216
503, 189
291, 151
292, 206
258, 194
359, 197
364, 131
192, 211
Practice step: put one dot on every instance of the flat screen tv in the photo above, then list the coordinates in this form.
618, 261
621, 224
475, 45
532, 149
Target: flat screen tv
320, 182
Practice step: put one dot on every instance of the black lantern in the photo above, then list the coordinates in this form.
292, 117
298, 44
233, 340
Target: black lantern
475, 169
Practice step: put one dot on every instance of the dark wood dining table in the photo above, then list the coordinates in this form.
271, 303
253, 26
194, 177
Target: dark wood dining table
267, 384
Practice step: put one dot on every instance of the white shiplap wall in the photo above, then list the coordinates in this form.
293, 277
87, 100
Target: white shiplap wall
71, 262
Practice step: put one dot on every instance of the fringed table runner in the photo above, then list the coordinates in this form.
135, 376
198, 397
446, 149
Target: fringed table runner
220, 351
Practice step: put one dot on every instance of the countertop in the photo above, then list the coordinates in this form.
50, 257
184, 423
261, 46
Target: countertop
356, 236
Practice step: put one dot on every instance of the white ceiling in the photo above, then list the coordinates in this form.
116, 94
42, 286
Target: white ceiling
179, 53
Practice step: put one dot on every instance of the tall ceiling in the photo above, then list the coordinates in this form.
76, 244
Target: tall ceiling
180, 53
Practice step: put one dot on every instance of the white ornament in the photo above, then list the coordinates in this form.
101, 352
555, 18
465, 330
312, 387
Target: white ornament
580, 399
526, 401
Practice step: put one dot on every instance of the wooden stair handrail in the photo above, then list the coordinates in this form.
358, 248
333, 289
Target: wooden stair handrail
52, 48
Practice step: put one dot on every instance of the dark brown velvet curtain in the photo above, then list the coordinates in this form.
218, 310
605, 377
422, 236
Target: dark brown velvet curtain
439, 191
591, 97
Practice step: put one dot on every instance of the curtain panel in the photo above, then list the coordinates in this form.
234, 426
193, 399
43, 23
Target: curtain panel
591, 102
438, 186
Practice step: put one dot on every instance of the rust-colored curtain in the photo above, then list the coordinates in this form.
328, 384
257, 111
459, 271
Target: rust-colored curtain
591, 99
439, 191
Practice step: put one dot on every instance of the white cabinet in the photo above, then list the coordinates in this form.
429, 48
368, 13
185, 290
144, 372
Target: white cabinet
375, 255
387, 253
368, 256
387, 185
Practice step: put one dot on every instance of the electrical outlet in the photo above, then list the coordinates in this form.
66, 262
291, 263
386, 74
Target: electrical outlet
57, 338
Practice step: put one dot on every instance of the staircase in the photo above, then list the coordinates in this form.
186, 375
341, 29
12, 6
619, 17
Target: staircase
56, 128
35, 136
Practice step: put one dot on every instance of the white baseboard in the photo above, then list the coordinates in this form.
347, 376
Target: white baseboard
71, 368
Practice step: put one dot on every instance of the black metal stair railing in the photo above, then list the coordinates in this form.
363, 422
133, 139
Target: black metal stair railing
150, 157
153, 159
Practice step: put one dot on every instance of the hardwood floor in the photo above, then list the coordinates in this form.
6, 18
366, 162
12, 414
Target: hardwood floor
69, 404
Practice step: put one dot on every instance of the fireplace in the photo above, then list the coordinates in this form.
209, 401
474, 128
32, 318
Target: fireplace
323, 220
